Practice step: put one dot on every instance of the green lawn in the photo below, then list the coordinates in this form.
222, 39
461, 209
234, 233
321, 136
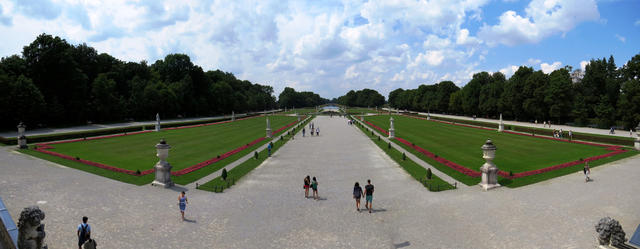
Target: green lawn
360, 110
189, 147
461, 145
416, 171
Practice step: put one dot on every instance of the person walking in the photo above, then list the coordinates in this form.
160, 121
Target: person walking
586, 171
318, 131
368, 194
84, 232
303, 131
269, 149
182, 202
307, 184
357, 194
314, 186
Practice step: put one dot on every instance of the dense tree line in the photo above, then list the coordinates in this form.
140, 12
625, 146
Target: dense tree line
605, 96
56, 83
291, 99
362, 98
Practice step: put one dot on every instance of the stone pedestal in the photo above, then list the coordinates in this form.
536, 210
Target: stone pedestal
233, 116
157, 121
428, 116
163, 168
489, 169
269, 134
22, 139
392, 130
501, 126
298, 115
636, 144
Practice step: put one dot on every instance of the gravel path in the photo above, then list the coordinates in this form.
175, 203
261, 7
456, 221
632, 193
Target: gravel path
267, 209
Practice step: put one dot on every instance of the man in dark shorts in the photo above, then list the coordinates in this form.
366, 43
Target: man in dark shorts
84, 232
368, 194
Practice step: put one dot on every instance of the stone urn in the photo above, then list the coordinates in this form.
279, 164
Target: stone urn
489, 169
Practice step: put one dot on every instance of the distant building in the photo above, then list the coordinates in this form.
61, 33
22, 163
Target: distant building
576, 76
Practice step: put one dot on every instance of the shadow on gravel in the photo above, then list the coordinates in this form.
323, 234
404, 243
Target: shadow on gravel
190, 220
378, 210
401, 245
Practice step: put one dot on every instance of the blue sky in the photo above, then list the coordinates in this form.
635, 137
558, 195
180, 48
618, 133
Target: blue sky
330, 47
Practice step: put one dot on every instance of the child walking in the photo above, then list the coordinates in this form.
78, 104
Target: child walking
314, 186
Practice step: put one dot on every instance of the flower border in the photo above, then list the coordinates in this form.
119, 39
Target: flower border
45, 148
615, 150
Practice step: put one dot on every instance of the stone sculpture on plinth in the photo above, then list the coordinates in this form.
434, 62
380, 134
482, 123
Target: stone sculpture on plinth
610, 232
233, 116
392, 131
428, 116
157, 121
30, 230
163, 168
22, 139
501, 126
636, 144
489, 169
298, 115
268, 128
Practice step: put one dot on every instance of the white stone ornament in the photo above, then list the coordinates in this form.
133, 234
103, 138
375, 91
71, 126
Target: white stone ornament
22, 139
162, 168
392, 130
157, 121
489, 169
268, 128
501, 126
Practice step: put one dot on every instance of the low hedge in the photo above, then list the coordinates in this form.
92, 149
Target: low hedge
102, 132
624, 141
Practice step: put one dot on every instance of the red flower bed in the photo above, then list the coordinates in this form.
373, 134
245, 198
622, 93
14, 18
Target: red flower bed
473, 173
44, 148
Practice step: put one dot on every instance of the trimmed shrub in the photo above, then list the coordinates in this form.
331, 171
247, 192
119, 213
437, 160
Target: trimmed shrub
429, 173
389, 145
224, 174
255, 155
404, 156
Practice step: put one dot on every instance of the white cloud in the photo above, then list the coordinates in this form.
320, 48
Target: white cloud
637, 23
509, 70
583, 65
532, 61
621, 38
542, 19
548, 68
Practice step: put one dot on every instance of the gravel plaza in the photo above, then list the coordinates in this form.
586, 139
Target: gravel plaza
267, 208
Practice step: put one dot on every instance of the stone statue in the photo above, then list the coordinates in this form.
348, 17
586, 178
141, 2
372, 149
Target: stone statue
609, 230
30, 230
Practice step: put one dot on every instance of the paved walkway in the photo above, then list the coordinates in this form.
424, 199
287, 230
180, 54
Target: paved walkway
43, 131
266, 209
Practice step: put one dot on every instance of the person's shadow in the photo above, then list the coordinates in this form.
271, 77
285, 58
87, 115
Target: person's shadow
190, 220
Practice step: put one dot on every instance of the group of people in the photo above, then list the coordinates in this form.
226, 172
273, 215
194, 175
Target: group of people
308, 183
368, 195
311, 129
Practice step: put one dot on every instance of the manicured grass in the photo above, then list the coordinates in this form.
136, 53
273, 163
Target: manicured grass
360, 110
218, 184
189, 147
461, 145
416, 171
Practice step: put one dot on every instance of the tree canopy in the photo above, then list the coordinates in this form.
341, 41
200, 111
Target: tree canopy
604, 97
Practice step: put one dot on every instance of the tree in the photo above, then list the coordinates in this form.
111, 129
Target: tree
559, 95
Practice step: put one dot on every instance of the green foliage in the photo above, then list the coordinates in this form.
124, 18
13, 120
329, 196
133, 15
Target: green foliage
56, 83
255, 155
362, 98
224, 174
404, 156
290, 98
429, 174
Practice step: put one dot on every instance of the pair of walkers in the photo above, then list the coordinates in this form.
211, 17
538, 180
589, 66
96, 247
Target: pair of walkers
84, 235
368, 194
310, 184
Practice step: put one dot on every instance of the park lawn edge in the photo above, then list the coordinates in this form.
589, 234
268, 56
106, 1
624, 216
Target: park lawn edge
518, 182
144, 179
411, 167
218, 185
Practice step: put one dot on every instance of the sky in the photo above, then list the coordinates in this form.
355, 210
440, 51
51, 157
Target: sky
330, 47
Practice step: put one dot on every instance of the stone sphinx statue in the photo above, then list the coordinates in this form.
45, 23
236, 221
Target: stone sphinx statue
30, 230
610, 231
